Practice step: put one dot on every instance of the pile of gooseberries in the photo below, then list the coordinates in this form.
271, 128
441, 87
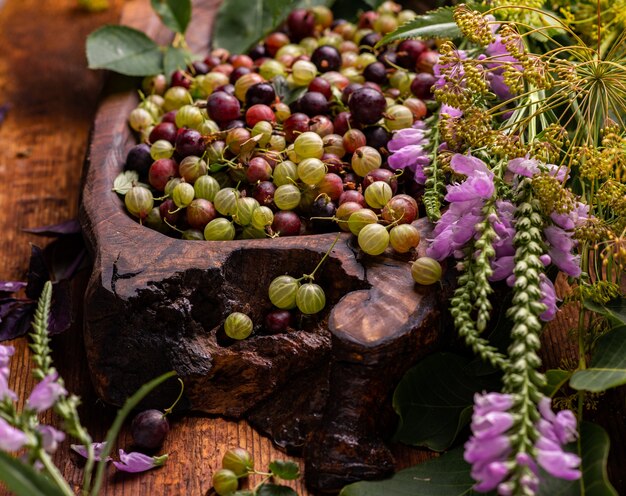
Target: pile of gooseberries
287, 139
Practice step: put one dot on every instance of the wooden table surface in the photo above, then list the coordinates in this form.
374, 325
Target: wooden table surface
53, 98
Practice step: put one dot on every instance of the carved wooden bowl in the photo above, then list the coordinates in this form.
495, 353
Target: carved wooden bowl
155, 303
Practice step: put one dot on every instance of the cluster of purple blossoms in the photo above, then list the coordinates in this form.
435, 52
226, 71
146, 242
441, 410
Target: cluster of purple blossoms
43, 396
409, 152
489, 448
457, 225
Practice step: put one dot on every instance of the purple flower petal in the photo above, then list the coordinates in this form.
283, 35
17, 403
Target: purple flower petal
405, 157
5, 357
45, 394
98, 448
489, 475
559, 238
406, 137
11, 439
559, 464
502, 267
138, 462
566, 262
485, 450
548, 298
468, 165
499, 87
50, 438
524, 166
450, 111
492, 424
478, 185
565, 426
492, 402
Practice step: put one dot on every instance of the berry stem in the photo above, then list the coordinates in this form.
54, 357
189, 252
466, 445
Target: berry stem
167, 411
311, 276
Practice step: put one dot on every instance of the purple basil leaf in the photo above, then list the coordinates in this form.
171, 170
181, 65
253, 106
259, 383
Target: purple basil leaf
65, 256
17, 320
68, 227
61, 308
4, 110
10, 287
6, 305
37, 273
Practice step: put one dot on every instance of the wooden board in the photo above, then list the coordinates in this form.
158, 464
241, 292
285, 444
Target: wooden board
43, 143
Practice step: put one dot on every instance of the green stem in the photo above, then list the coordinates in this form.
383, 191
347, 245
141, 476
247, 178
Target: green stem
582, 358
88, 469
180, 395
54, 473
130, 404
311, 276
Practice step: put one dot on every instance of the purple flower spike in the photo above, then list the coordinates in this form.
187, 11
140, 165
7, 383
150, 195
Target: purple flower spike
489, 447
98, 448
46, 393
138, 462
50, 438
11, 439
409, 152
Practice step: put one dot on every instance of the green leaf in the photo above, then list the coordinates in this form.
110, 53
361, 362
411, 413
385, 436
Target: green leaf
434, 399
555, 380
285, 469
175, 14
124, 181
594, 446
447, 475
216, 167
608, 364
268, 489
124, 50
174, 59
614, 310
287, 94
434, 24
23, 480
241, 23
